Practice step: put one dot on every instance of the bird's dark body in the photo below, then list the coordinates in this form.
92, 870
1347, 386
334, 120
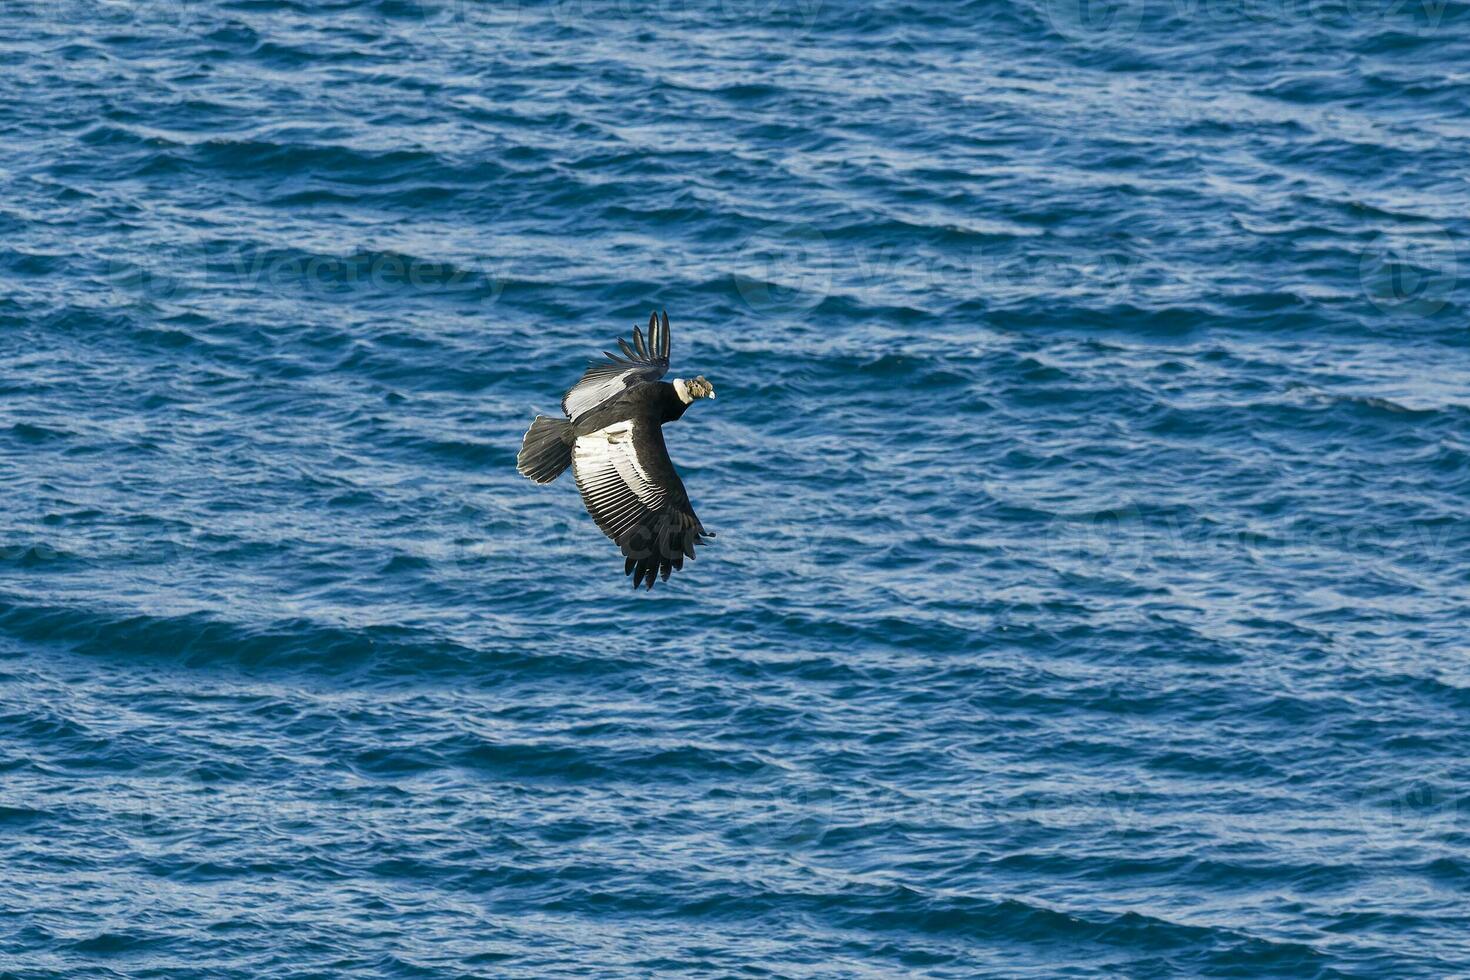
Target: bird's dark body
612, 439
656, 402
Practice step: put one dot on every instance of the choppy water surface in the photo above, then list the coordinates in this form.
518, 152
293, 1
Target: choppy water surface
1090, 468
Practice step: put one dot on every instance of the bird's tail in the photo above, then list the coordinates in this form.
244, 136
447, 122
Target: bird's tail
546, 450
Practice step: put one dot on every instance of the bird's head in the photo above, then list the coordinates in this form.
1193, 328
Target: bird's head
696, 387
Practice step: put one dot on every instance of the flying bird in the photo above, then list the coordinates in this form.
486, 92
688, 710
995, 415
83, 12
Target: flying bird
612, 437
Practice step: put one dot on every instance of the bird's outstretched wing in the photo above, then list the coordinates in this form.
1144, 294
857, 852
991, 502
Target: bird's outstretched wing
642, 362
632, 491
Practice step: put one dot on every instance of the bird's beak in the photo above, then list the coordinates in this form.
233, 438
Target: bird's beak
712, 393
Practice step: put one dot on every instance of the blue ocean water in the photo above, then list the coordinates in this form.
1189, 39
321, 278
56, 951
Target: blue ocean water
1090, 468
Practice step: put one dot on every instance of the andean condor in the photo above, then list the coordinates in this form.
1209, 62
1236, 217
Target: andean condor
613, 439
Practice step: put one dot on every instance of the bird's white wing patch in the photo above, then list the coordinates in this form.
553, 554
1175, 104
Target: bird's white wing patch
641, 362
615, 485
592, 391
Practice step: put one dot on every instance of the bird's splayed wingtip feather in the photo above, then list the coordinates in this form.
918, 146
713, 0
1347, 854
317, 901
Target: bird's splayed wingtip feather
655, 336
